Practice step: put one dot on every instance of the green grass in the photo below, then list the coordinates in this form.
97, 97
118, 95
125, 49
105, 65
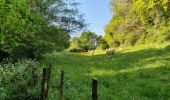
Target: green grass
138, 73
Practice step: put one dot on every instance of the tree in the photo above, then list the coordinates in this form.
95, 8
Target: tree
17, 24
88, 40
137, 22
102, 44
151, 12
24, 24
74, 43
52, 39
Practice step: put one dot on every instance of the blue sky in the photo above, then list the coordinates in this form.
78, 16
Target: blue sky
97, 14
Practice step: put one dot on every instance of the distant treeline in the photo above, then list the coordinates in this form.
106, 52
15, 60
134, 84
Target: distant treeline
88, 41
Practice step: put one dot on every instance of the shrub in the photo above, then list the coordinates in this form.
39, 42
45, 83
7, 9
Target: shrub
19, 80
102, 44
77, 50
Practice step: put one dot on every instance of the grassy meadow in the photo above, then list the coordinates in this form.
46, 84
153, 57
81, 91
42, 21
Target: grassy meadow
137, 73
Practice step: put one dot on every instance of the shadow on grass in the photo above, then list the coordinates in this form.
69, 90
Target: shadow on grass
140, 75
137, 75
139, 58
120, 62
143, 84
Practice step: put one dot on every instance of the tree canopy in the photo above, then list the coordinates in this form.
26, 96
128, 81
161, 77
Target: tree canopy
27, 25
88, 40
138, 22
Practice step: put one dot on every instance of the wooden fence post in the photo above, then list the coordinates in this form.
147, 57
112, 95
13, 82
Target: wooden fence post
48, 78
61, 89
45, 83
94, 89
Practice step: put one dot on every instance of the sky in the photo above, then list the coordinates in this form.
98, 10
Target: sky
97, 14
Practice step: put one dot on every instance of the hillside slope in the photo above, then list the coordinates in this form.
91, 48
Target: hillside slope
139, 73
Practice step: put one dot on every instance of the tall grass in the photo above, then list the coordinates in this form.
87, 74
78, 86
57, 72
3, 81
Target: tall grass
138, 73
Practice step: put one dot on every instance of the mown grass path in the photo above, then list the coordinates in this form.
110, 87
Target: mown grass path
133, 74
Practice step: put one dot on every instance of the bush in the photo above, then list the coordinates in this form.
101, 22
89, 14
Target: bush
102, 44
19, 80
77, 50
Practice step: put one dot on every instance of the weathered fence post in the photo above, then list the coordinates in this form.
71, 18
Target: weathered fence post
48, 77
45, 83
94, 89
61, 89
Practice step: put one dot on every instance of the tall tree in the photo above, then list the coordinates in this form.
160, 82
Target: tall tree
26, 22
138, 22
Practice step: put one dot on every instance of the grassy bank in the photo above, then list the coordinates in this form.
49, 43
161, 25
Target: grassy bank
138, 73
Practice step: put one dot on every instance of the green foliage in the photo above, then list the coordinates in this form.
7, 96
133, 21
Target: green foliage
88, 40
23, 23
77, 50
74, 43
152, 12
74, 46
17, 82
17, 24
51, 39
102, 44
138, 22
